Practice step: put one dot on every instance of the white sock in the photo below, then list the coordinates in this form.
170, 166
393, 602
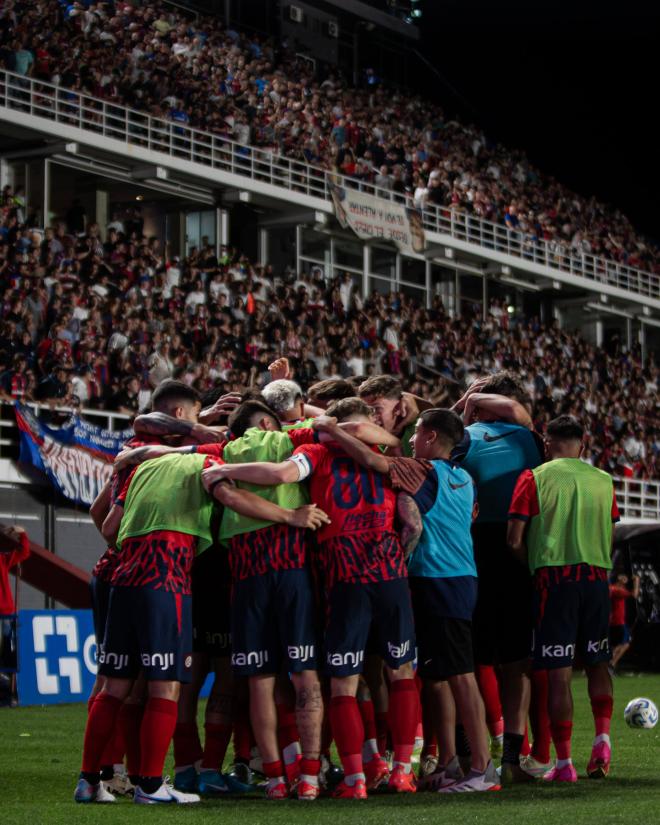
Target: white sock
602, 737
563, 763
276, 780
407, 767
369, 750
311, 780
352, 778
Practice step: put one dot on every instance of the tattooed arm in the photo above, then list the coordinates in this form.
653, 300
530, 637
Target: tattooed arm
410, 520
160, 424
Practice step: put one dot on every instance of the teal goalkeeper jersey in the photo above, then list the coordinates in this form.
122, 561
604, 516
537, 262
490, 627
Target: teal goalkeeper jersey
494, 454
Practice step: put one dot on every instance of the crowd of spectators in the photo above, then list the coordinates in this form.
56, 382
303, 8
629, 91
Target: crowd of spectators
242, 87
99, 323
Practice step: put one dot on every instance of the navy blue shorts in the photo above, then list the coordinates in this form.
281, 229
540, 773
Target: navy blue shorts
572, 610
100, 593
273, 623
378, 613
210, 581
148, 630
443, 623
502, 620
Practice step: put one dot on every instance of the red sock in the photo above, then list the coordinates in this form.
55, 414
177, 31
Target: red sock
383, 730
525, 748
490, 692
561, 736
366, 708
348, 732
100, 727
310, 767
187, 747
538, 716
242, 733
273, 770
116, 747
216, 742
601, 707
404, 707
130, 720
156, 731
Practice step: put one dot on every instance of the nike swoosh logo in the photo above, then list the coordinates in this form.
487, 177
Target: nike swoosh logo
428, 661
491, 438
458, 486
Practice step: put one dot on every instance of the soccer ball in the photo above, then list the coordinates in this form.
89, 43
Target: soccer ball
641, 713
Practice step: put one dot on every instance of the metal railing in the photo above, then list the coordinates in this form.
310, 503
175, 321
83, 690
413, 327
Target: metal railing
178, 140
112, 421
637, 498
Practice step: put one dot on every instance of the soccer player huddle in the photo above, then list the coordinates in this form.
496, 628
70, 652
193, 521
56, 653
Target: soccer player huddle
356, 568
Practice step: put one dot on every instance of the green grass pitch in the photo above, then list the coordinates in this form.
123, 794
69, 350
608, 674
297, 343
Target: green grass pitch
40, 758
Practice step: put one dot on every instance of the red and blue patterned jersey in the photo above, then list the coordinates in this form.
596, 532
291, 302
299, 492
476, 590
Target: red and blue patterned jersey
105, 566
161, 560
276, 547
360, 544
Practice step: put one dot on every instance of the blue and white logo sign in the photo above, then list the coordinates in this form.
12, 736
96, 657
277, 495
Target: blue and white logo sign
56, 656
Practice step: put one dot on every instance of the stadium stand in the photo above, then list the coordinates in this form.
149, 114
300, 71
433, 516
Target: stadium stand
251, 91
100, 324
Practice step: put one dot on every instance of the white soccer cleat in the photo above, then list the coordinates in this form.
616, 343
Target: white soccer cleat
476, 782
442, 777
535, 768
166, 794
86, 792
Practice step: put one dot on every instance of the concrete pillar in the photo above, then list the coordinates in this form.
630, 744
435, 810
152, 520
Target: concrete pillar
484, 297
299, 240
262, 241
600, 333
641, 339
629, 333
333, 257
175, 233
366, 269
429, 286
102, 211
397, 271
457, 294
46, 193
221, 229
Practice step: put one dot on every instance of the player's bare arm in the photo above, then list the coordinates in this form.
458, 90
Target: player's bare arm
111, 524
250, 504
101, 505
515, 537
355, 448
136, 455
496, 406
411, 522
266, 473
369, 433
161, 424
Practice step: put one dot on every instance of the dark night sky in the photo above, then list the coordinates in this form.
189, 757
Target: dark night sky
574, 84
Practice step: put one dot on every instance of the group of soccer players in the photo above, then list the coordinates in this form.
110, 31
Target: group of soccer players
358, 568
